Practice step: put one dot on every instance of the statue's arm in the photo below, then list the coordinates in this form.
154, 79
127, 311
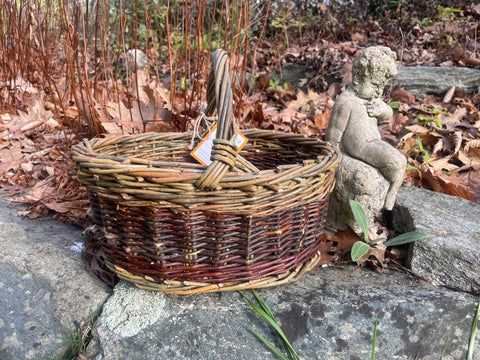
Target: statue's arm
379, 109
338, 121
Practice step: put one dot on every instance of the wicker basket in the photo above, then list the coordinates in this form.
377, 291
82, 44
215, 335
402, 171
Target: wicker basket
174, 225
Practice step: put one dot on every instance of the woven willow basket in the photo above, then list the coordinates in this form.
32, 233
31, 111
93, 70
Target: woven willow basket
171, 224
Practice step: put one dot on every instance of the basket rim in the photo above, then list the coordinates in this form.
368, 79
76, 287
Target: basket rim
141, 182
91, 150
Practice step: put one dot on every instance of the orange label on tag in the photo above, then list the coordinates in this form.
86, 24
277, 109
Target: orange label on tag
203, 150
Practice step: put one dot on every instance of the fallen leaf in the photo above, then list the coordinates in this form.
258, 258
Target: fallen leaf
359, 38
287, 115
472, 144
322, 119
40, 192
400, 94
121, 117
306, 101
453, 119
65, 206
397, 122
256, 117
307, 129
448, 140
27, 167
418, 129
442, 164
281, 95
475, 8
139, 85
10, 158
472, 180
31, 125
470, 157
112, 127
50, 170
450, 186
54, 154
374, 257
4, 117
335, 248
449, 95
334, 89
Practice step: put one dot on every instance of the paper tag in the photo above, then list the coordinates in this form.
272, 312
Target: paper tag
204, 149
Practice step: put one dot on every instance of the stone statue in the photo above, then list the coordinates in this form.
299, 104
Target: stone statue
371, 171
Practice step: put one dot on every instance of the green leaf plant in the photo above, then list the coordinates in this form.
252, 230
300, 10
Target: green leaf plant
431, 117
361, 249
426, 156
272, 85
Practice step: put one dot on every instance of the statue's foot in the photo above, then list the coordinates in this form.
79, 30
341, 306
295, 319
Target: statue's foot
389, 201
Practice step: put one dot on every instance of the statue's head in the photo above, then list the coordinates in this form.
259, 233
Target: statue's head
371, 71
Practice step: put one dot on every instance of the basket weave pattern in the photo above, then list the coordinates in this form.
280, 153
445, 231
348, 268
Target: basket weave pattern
162, 230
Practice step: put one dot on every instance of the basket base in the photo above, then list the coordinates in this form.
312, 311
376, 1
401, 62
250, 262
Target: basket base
189, 287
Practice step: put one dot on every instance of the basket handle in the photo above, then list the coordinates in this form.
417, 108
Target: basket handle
220, 97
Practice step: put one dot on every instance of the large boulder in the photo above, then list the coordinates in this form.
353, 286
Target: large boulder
450, 255
46, 289
294, 74
137, 57
328, 314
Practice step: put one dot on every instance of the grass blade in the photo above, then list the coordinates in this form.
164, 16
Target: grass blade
265, 316
269, 344
374, 339
445, 348
288, 347
471, 344
268, 315
264, 305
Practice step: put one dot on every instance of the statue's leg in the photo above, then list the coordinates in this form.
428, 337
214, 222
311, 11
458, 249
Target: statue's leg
391, 162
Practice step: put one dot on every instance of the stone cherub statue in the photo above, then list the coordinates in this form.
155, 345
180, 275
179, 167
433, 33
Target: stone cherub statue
371, 170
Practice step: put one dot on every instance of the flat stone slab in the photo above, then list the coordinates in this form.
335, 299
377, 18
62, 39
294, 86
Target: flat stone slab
422, 81
45, 286
329, 314
291, 73
450, 255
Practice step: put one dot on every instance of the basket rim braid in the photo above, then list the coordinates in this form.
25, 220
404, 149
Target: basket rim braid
247, 220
